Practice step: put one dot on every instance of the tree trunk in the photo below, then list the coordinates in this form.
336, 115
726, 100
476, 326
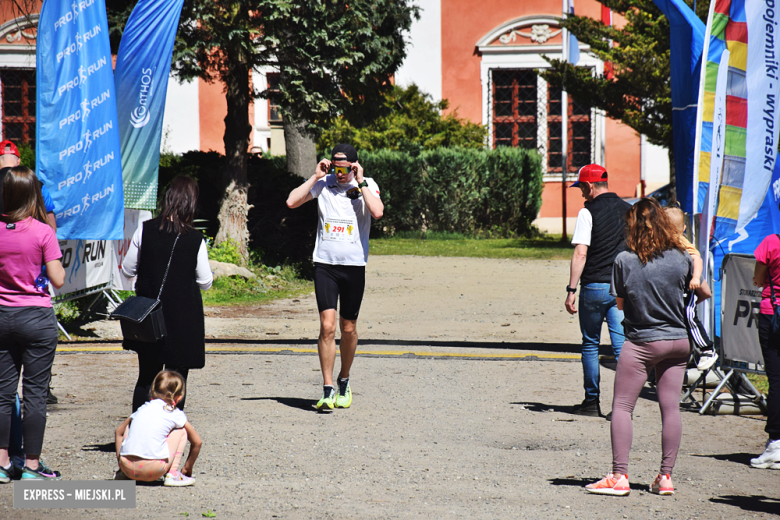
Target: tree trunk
301, 149
234, 209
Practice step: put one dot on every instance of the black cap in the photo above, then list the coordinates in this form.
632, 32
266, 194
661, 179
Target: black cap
347, 150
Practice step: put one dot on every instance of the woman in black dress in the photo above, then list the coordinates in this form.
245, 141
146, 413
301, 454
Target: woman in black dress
184, 347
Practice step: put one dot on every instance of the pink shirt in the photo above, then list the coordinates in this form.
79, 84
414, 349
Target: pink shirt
24, 248
768, 253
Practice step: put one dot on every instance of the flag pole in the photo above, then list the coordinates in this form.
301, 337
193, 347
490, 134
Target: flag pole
564, 123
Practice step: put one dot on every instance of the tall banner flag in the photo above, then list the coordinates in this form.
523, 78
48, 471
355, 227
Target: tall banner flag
77, 149
142, 68
687, 41
574, 45
746, 28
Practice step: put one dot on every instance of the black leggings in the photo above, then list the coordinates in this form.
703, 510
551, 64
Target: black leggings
770, 347
151, 363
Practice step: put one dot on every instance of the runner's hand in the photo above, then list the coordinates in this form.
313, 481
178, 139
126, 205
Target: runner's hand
695, 284
322, 169
570, 300
358, 171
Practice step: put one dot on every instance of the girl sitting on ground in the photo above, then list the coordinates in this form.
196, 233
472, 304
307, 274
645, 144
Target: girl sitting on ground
150, 443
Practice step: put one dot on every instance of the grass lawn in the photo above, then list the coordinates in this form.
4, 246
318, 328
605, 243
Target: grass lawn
440, 244
270, 284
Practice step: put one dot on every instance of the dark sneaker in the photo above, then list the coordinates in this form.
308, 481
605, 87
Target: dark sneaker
588, 408
6, 474
51, 398
42, 473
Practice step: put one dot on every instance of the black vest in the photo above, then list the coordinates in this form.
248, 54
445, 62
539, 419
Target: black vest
607, 238
185, 346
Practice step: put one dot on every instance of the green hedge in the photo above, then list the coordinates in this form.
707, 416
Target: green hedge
468, 191
474, 192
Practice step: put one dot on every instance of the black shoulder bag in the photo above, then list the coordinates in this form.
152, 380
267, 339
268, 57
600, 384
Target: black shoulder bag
141, 317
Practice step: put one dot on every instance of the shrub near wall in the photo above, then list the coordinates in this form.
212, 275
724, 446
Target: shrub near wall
474, 192
468, 191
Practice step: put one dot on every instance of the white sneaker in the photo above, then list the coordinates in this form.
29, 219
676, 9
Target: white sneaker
178, 480
770, 459
706, 360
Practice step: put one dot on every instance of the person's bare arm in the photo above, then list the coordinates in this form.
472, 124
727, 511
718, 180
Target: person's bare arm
578, 259
302, 193
56, 273
119, 435
52, 220
373, 203
619, 303
702, 292
759, 274
698, 267
195, 444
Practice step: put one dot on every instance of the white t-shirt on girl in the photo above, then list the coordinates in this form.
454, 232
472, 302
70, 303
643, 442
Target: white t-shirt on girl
149, 429
344, 223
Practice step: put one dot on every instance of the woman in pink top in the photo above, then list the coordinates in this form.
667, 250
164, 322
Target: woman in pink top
767, 275
28, 328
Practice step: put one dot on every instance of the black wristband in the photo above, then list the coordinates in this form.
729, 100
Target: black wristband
363, 184
570, 290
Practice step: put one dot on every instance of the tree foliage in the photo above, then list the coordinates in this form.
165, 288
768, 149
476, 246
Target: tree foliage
640, 93
413, 121
334, 58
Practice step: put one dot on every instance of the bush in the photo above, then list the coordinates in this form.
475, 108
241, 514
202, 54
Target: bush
226, 252
474, 192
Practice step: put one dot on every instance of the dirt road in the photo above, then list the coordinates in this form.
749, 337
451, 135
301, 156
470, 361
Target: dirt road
466, 428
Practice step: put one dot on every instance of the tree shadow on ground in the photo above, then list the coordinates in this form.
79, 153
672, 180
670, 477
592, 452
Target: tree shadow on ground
754, 503
108, 447
293, 402
582, 482
739, 458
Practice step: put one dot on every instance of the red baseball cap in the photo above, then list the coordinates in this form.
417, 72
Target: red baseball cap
8, 147
591, 173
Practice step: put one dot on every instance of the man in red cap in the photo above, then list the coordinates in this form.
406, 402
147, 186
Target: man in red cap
599, 236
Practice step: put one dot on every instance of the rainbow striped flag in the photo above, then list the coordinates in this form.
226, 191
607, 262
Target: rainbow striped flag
728, 31
747, 29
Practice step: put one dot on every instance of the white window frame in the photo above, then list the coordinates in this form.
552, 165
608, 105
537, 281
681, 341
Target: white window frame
529, 56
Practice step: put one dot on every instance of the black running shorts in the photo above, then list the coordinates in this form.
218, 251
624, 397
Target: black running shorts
346, 281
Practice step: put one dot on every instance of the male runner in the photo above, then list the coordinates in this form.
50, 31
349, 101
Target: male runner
599, 236
346, 201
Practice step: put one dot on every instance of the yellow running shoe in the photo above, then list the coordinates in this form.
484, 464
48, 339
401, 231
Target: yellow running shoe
325, 404
344, 397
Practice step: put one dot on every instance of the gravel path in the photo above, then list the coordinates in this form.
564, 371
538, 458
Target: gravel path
448, 437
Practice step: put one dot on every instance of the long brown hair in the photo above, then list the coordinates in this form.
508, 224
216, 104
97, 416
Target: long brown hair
22, 196
179, 205
649, 231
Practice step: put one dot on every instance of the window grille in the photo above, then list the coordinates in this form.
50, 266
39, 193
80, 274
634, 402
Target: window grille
17, 92
526, 112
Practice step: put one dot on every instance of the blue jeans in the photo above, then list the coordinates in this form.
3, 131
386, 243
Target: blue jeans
596, 305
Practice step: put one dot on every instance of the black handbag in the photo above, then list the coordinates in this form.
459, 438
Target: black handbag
142, 318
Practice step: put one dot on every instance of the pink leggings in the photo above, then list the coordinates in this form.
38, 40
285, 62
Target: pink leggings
149, 470
636, 361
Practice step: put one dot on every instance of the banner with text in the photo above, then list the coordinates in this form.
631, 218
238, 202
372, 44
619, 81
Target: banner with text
142, 68
77, 136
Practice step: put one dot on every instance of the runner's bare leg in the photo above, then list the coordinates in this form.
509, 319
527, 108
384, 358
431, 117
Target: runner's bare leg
326, 345
348, 345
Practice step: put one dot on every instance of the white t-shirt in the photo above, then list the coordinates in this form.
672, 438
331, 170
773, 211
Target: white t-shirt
583, 228
149, 429
344, 222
